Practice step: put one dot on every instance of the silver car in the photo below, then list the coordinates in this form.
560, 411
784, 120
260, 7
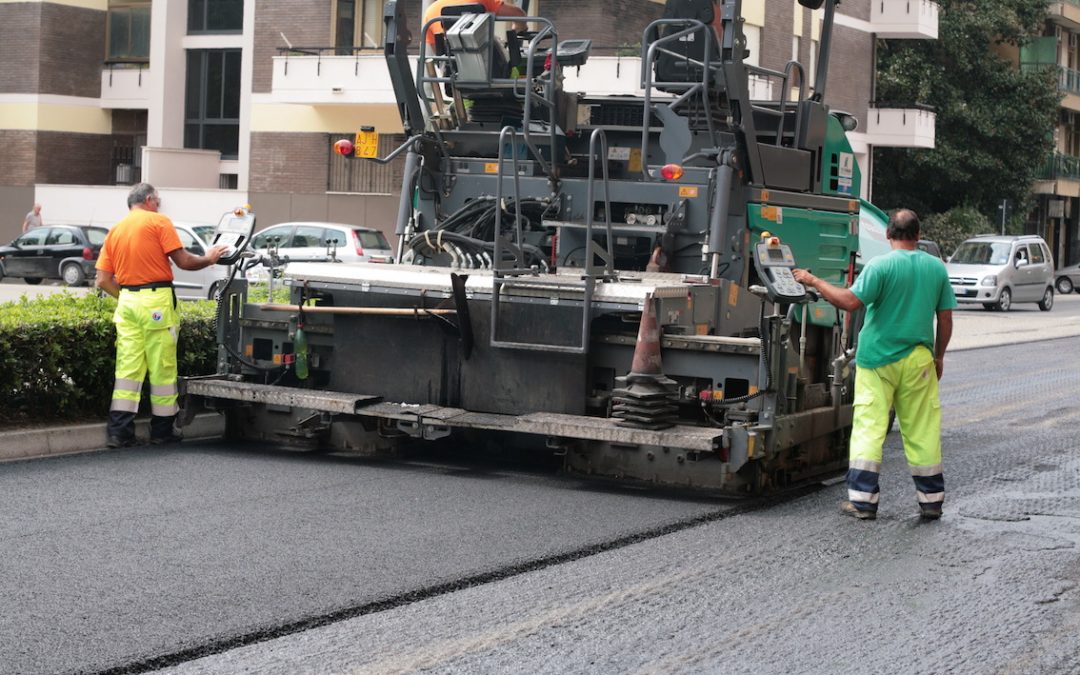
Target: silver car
1068, 279
997, 271
316, 242
199, 284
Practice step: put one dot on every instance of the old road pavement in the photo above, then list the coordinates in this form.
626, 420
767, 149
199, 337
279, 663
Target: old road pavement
208, 558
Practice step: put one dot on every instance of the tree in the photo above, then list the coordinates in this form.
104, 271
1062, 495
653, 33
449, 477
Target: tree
994, 122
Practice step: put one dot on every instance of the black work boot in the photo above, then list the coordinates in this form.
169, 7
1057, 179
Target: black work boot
161, 430
120, 431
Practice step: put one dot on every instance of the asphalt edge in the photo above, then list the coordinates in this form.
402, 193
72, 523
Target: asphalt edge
79, 438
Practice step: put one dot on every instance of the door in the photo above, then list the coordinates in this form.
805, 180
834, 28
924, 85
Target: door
1042, 269
186, 280
1025, 282
25, 260
62, 243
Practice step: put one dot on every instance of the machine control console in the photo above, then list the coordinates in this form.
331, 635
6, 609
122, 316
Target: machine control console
234, 230
774, 262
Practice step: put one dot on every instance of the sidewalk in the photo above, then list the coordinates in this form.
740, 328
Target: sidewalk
65, 440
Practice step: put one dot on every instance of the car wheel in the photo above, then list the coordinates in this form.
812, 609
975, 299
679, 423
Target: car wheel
73, 274
214, 287
1064, 285
33, 281
1047, 303
1004, 301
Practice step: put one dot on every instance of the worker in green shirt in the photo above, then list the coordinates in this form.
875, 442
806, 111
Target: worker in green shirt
898, 363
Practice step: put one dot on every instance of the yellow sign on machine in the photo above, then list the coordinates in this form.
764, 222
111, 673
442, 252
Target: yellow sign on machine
367, 143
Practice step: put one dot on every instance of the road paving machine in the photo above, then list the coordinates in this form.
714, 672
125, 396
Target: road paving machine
604, 277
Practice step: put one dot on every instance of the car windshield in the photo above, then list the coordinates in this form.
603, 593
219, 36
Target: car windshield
982, 253
205, 232
372, 239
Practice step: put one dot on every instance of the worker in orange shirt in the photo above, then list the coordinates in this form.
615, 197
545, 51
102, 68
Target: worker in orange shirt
134, 268
499, 7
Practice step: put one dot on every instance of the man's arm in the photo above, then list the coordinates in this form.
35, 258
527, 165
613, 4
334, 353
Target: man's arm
506, 9
186, 261
106, 281
834, 295
941, 341
26, 223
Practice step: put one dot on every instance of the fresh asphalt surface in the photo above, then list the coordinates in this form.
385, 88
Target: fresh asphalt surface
282, 562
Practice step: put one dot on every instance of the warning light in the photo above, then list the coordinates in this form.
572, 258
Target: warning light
774, 241
671, 172
344, 147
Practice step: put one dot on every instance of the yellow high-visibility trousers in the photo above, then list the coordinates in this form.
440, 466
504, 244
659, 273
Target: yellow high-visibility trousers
147, 328
909, 385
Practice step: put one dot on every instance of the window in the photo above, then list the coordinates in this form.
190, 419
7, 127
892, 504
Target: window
60, 238
215, 16
371, 239
212, 101
34, 237
96, 235
307, 236
1037, 257
188, 242
129, 32
357, 23
262, 239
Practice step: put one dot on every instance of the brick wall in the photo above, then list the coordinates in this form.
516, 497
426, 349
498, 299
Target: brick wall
72, 50
607, 24
287, 162
17, 161
308, 27
74, 159
851, 72
20, 44
859, 9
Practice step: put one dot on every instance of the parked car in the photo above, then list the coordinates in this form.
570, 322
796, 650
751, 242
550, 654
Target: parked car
199, 284
1068, 279
1000, 270
930, 247
64, 252
312, 242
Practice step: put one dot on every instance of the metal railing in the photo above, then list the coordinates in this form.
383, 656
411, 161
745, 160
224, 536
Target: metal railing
1060, 165
1068, 79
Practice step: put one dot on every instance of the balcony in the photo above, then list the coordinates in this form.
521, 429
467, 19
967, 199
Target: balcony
1065, 13
904, 19
1068, 82
1059, 175
900, 127
125, 86
318, 76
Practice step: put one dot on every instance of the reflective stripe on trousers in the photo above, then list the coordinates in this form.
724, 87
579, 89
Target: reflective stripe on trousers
147, 327
910, 385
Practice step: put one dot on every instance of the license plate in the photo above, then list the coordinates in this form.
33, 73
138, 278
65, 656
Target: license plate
367, 144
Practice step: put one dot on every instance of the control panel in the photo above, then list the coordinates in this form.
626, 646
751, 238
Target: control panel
774, 262
234, 230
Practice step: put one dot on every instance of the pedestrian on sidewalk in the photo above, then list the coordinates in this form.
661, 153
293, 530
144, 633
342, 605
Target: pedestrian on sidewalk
32, 219
133, 267
898, 363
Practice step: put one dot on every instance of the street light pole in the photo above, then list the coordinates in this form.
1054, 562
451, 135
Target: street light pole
1003, 207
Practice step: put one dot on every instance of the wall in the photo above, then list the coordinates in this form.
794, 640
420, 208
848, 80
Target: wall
15, 203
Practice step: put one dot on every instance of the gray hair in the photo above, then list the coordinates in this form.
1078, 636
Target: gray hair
140, 193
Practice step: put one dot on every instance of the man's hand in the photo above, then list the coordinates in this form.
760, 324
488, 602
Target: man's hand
805, 278
939, 366
215, 252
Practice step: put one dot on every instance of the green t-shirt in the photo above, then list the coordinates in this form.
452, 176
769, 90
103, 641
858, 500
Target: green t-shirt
902, 292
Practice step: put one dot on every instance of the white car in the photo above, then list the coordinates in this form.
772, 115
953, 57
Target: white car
199, 284
316, 242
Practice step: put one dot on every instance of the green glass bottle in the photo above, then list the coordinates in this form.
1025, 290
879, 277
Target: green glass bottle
300, 350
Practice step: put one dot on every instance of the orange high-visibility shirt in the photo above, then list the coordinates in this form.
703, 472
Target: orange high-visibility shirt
137, 248
435, 9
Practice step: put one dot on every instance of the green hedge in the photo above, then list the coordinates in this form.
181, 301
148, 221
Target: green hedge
57, 355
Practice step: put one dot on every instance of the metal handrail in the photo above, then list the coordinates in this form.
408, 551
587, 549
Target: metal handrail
497, 262
598, 136
652, 49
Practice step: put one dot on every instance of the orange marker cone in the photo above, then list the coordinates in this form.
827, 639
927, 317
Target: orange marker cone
647, 398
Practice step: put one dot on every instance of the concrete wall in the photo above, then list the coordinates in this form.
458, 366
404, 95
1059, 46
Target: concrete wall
15, 203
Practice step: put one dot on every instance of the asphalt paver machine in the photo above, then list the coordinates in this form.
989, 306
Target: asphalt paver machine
601, 277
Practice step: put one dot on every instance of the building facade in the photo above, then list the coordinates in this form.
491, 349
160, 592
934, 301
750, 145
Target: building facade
220, 102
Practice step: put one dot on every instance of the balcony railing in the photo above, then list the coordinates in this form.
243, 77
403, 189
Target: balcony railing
125, 85
910, 19
1068, 79
1060, 166
910, 127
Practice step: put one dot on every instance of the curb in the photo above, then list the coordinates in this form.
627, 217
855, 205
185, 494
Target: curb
66, 440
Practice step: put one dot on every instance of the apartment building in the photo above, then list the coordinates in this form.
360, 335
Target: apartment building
1056, 215
220, 102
